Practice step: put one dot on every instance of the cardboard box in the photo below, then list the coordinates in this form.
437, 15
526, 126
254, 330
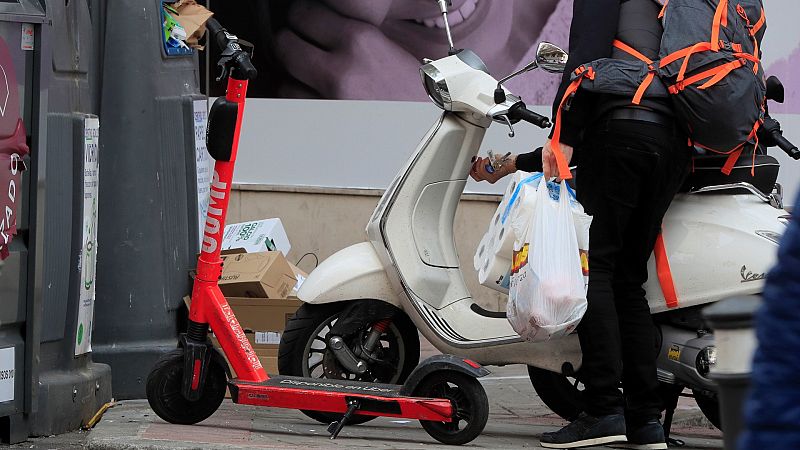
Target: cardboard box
257, 236
257, 275
263, 321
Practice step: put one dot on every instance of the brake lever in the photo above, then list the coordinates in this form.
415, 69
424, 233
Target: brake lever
507, 121
223, 69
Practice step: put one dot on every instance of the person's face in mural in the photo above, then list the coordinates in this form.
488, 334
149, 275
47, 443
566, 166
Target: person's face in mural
371, 49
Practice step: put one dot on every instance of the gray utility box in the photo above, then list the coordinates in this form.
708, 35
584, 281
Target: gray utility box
148, 238
43, 282
21, 112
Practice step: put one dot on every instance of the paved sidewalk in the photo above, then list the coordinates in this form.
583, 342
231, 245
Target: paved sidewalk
517, 420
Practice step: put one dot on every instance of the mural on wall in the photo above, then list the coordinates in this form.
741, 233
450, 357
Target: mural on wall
370, 49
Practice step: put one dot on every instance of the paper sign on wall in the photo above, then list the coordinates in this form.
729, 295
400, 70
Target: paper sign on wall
7, 373
88, 257
204, 163
268, 337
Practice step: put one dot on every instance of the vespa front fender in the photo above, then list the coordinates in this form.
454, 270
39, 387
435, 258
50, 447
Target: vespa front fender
352, 273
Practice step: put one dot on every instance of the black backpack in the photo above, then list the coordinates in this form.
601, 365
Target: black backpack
709, 65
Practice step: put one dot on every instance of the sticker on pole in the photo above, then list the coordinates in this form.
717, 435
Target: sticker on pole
27, 42
204, 164
88, 258
7, 373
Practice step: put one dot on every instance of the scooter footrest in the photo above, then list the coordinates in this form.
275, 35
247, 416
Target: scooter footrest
346, 386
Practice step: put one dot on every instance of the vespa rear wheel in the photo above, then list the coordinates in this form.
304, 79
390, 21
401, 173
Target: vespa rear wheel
164, 391
470, 406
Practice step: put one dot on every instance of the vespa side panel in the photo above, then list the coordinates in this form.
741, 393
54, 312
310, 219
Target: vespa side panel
714, 248
352, 273
416, 226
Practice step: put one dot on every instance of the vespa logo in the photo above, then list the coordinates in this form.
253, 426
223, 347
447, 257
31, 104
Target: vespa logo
748, 276
211, 240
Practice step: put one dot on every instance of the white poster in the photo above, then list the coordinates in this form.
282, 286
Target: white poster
7, 370
205, 164
88, 258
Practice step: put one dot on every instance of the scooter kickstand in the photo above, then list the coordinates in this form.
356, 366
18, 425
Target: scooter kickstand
335, 427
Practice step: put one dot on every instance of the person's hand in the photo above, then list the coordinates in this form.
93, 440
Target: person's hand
341, 57
479, 173
549, 164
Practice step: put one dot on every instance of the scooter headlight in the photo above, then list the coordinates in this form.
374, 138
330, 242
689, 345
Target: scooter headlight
706, 359
436, 86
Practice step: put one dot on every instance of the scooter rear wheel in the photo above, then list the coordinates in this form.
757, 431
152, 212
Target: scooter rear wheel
470, 405
164, 391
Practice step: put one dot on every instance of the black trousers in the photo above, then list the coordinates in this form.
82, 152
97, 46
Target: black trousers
628, 173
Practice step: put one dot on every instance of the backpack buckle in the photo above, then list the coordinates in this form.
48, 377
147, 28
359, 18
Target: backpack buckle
726, 45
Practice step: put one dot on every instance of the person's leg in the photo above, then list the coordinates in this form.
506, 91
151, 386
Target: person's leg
610, 176
636, 325
610, 185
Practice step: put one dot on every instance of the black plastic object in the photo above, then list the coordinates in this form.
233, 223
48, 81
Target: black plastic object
775, 91
520, 112
440, 363
221, 129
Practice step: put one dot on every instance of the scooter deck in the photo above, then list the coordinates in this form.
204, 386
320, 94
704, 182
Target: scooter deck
333, 396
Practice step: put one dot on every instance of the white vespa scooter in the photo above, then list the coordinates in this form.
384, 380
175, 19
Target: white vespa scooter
364, 304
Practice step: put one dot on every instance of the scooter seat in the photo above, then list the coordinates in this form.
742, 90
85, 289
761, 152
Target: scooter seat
707, 171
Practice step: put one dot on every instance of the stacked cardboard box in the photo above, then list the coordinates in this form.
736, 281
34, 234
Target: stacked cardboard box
259, 288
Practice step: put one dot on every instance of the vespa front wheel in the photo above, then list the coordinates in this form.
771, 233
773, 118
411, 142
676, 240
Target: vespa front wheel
164, 391
304, 352
470, 406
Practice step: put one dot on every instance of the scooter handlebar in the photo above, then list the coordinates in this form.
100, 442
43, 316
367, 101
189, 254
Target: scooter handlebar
217, 33
785, 145
520, 112
233, 56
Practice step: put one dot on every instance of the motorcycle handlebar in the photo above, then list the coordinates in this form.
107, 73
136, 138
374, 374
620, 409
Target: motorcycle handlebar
520, 112
785, 145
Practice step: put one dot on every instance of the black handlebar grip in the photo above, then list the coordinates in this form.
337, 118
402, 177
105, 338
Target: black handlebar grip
217, 33
520, 112
245, 68
785, 145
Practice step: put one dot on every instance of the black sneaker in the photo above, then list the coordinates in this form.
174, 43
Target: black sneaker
649, 436
586, 431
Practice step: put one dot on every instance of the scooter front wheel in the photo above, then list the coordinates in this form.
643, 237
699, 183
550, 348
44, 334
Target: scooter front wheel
470, 406
164, 391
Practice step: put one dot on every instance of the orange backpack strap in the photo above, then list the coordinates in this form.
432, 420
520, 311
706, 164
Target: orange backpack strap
555, 142
720, 20
731, 161
683, 53
637, 98
631, 51
760, 24
736, 152
722, 72
665, 273
663, 9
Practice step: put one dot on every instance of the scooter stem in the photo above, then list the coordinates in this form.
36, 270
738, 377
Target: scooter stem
209, 265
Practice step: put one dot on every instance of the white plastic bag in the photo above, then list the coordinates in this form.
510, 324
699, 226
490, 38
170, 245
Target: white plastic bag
547, 298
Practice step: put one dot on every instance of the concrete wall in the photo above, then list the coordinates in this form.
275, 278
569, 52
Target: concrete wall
323, 221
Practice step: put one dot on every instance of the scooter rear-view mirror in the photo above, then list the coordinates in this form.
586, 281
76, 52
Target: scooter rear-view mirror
551, 57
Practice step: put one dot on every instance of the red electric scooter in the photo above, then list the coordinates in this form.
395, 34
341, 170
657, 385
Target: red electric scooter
188, 384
